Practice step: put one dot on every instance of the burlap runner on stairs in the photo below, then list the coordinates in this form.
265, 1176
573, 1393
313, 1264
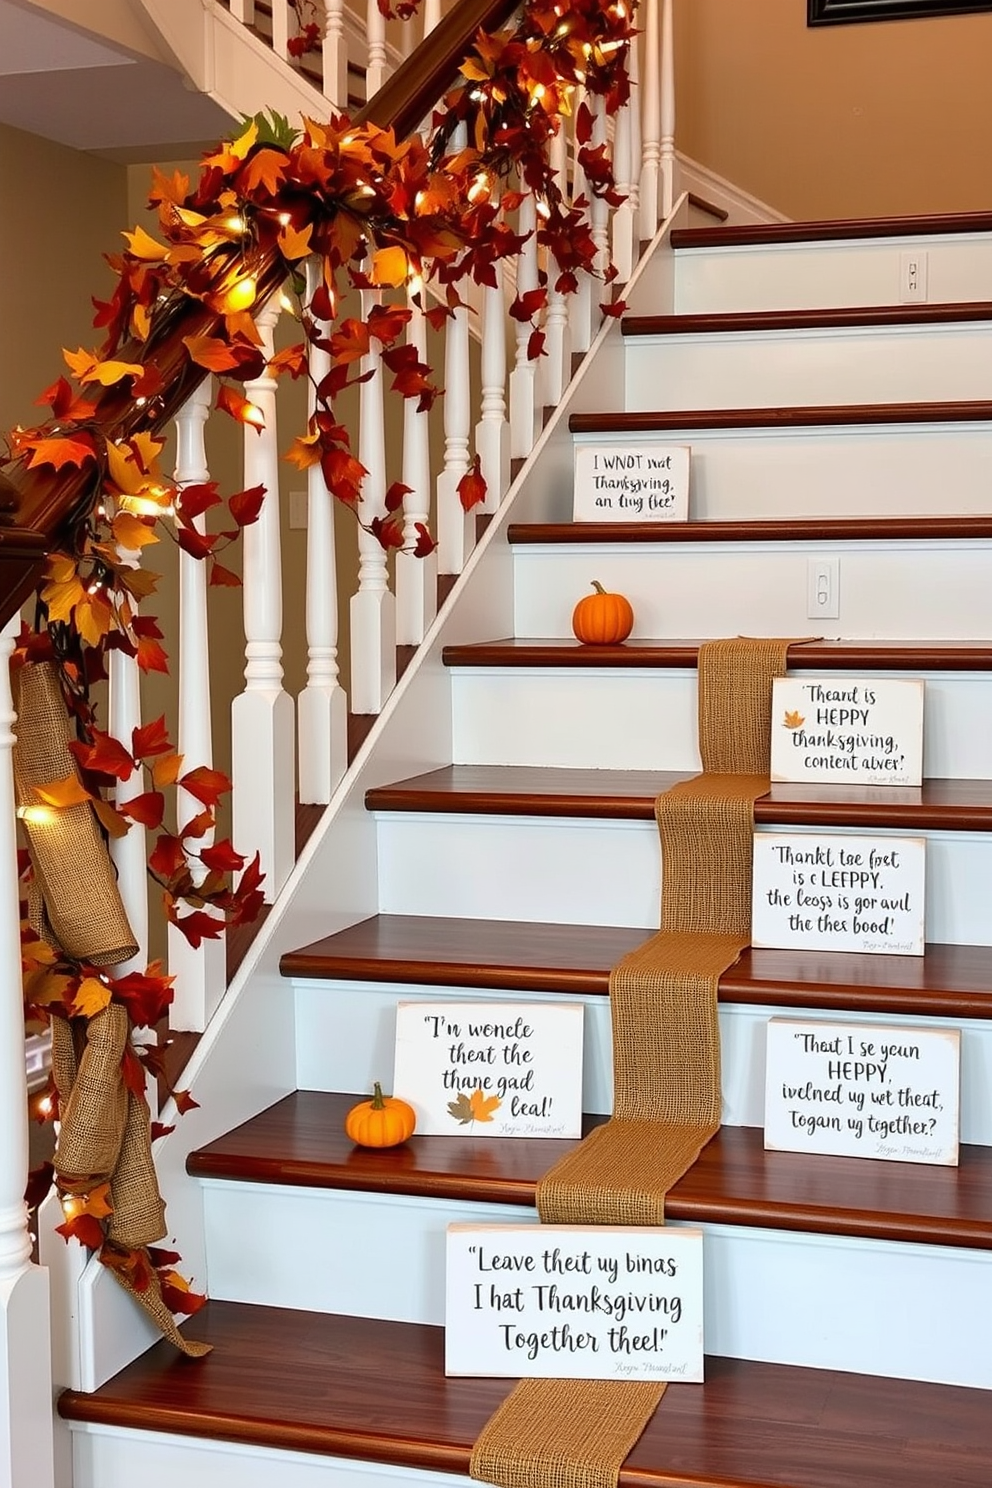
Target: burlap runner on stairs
75, 905
666, 1064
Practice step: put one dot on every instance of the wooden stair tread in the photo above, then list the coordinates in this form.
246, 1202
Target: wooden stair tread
831, 318
533, 790
300, 1141
813, 415
566, 651
513, 955
810, 529
375, 1391
832, 228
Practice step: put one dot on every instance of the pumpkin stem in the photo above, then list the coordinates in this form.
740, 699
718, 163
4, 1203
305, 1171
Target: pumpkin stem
378, 1100
598, 587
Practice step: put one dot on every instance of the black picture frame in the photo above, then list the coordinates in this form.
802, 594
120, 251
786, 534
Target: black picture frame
840, 12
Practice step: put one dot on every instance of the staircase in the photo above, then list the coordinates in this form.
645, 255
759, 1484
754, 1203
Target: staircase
495, 838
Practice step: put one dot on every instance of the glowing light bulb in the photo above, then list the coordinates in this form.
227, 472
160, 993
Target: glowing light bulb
35, 816
240, 296
235, 224
284, 219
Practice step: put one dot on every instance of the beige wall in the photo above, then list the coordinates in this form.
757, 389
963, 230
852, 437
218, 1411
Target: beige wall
837, 121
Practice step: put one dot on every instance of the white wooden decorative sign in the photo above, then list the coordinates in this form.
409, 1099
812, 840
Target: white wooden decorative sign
863, 1090
847, 730
574, 1302
836, 892
491, 1069
639, 483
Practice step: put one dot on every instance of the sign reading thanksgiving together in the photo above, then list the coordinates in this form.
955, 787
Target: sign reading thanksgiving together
847, 731
491, 1069
574, 1302
838, 892
639, 483
863, 1090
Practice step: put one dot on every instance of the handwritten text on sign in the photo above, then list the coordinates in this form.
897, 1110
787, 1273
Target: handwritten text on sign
838, 892
646, 483
845, 730
861, 1090
491, 1069
574, 1302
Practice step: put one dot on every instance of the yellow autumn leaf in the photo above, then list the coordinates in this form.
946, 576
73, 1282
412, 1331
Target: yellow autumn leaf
173, 1279
97, 1201
59, 568
166, 769
132, 533
110, 818
389, 267
91, 998
43, 987
794, 720
146, 450
60, 793
141, 321
294, 244
94, 617
142, 245
79, 362
123, 470
483, 1105
62, 598
107, 373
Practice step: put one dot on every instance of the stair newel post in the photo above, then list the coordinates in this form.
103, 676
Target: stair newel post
667, 162
625, 216
281, 27
201, 974
416, 578
334, 55
553, 370
373, 608
650, 119
376, 65
523, 380
262, 722
322, 708
492, 432
26, 1430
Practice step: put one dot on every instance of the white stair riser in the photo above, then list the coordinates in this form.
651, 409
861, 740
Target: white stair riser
896, 364
844, 471
368, 1011
629, 719
768, 1295
940, 591
786, 276
112, 1457
575, 871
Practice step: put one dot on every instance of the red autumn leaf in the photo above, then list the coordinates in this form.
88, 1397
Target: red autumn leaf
105, 756
168, 857
132, 1073
177, 1299
425, 543
197, 926
350, 341
60, 451
163, 1258
343, 475
198, 826
149, 384
148, 809
615, 308
386, 322
229, 400
246, 505
583, 124
193, 500
393, 498
147, 997
65, 404
151, 739
205, 784
196, 544
526, 306
211, 352
184, 1101
292, 360
472, 486
387, 531
39, 1183
223, 577
84, 1228
151, 656
222, 857
535, 345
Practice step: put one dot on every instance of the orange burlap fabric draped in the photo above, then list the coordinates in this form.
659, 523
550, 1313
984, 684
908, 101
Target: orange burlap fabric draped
75, 905
666, 1064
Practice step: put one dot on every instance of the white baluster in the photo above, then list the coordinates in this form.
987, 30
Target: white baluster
634, 113
283, 26
26, 1434
650, 119
581, 318
599, 211
625, 216
416, 578
523, 399
376, 67
334, 48
243, 10
373, 609
667, 159
455, 526
201, 973
322, 708
492, 432
432, 15
262, 722
129, 852
554, 371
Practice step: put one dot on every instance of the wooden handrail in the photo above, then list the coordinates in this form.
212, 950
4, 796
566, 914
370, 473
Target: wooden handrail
38, 506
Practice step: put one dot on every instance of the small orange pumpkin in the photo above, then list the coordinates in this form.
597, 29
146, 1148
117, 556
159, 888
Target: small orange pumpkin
602, 619
383, 1121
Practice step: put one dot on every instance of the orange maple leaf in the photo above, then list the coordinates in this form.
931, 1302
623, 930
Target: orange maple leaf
92, 996
60, 793
59, 451
794, 720
483, 1105
266, 169
210, 352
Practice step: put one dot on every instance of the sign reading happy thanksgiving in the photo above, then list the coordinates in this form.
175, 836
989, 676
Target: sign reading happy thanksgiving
491, 1069
847, 730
